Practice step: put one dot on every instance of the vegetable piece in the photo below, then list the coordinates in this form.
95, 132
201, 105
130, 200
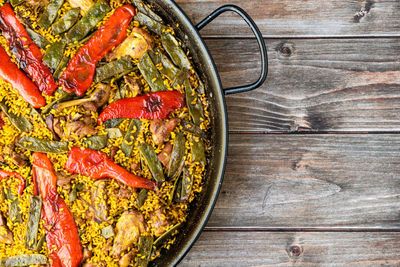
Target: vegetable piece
130, 137
54, 55
50, 13
151, 74
142, 196
63, 64
27, 53
109, 124
113, 68
175, 51
142, 7
64, 97
168, 68
158, 105
164, 237
107, 232
187, 184
5, 174
114, 133
6, 236
154, 164
97, 165
151, 24
15, 3
62, 237
193, 129
198, 149
40, 145
32, 227
84, 5
81, 69
194, 104
38, 39
96, 142
145, 245
19, 121
67, 21
24, 260
89, 21
19, 81
178, 152
14, 211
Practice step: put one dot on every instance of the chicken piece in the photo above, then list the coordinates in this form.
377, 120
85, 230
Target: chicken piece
162, 130
99, 198
87, 254
133, 85
165, 154
83, 4
5, 234
126, 259
81, 125
50, 125
113, 152
18, 158
135, 45
64, 179
2, 122
89, 106
128, 229
159, 221
58, 123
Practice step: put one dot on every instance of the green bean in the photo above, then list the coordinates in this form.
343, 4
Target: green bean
40, 145
23, 260
130, 137
168, 68
151, 24
187, 184
36, 115
14, 211
180, 78
174, 188
198, 149
142, 196
142, 7
114, 133
54, 55
201, 88
175, 51
145, 245
165, 236
64, 97
178, 190
67, 21
152, 161
151, 74
40, 243
38, 39
89, 21
113, 68
96, 142
107, 232
193, 129
113, 123
74, 192
33, 222
61, 67
50, 13
194, 104
19, 121
15, 3
178, 152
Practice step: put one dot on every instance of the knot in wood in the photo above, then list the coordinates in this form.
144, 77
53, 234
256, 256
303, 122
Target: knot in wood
295, 251
285, 49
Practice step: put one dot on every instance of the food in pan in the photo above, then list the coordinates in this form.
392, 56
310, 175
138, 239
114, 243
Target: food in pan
103, 133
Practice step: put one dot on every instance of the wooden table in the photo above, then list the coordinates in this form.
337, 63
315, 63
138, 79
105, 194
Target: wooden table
313, 173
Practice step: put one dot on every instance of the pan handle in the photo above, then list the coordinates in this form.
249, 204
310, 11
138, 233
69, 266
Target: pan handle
260, 41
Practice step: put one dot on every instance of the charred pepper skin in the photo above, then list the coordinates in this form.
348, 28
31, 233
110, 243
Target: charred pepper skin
81, 70
97, 165
10, 72
61, 232
27, 53
158, 105
5, 174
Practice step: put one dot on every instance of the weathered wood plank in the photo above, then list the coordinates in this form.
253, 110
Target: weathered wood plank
294, 249
300, 18
310, 181
313, 85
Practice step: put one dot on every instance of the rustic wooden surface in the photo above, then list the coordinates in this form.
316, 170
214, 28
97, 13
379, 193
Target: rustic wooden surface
314, 157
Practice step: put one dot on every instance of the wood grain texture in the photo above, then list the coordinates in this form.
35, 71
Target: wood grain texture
310, 181
301, 18
294, 249
313, 84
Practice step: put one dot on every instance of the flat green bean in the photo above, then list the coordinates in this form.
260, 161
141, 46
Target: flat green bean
40, 145
54, 55
143, 8
67, 21
130, 137
96, 142
177, 154
197, 147
63, 64
32, 228
165, 236
142, 196
114, 68
175, 51
145, 245
194, 104
15, 3
187, 184
50, 13
151, 24
19, 121
193, 129
168, 68
14, 211
23, 260
38, 39
154, 164
151, 74
113, 123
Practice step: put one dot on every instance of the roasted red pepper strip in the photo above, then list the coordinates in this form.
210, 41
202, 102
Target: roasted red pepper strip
97, 165
5, 174
81, 69
158, 105
61, 232
27, 53
10, 72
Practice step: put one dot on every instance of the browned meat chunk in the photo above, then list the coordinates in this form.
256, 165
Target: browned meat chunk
162, 130
5, 234
133, 85
165, 154
159, 221
126, 259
